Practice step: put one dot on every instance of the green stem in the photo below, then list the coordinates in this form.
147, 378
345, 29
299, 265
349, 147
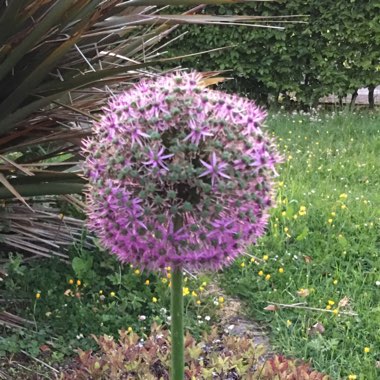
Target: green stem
178, 361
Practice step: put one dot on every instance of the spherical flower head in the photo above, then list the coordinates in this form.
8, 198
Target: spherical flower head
179, 174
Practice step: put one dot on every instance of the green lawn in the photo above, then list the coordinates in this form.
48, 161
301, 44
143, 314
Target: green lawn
322, 246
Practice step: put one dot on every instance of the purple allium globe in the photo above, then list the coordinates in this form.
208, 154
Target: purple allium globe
179, 174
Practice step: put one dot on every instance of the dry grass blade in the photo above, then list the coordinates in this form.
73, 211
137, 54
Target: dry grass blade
12, 190
17, 166
11, 320
43, 232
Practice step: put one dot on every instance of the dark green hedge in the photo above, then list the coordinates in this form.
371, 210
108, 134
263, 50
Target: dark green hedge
337, 51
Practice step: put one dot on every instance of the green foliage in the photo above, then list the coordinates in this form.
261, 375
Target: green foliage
334, 52
64, 304
321, 252
215, 356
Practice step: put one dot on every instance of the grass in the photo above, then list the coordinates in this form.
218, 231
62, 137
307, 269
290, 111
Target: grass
322, 247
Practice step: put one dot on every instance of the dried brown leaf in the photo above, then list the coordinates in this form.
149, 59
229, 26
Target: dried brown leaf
303, 292
344, 302
271, 308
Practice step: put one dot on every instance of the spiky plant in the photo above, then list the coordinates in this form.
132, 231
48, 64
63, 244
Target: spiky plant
57, 61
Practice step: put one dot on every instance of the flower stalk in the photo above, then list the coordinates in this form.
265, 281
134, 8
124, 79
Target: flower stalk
177, 330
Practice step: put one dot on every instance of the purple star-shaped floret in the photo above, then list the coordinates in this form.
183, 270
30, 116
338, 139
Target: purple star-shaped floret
156, 159
214, 169
137, 135
198, 132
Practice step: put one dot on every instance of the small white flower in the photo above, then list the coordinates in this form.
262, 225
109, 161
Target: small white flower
377, 283
80, 336
142, 317
207, 317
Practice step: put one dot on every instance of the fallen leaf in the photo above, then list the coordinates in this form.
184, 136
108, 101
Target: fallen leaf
303, 292
44, 348
308, 259
271, 308
344, 302
318, 328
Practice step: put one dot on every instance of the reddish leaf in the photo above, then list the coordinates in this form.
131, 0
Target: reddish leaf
271, 308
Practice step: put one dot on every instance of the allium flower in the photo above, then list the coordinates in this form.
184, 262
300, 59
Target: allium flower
179, 174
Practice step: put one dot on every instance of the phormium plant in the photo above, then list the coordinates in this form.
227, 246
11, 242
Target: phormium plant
181, 176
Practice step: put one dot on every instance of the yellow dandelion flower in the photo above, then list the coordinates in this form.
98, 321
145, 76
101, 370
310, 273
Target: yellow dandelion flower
366, 350
330, 221
331, 302
201, 288
333, 214
164, 280
71, 281
154, 300
267, 277
204, 283
79, 283
283, 213
302, 211
186, 291
242, 265
281, 270
328, 307
137, 272
288, 323
335, 311
352, 377
38, 295
286, 229
194, 294
265, 257
147, 282
221, 299
343, 207
100, 292
113, 294
252, 260
169, 275
335, 282
129, 329
343, 196
198, 302
168, 269
261, 273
